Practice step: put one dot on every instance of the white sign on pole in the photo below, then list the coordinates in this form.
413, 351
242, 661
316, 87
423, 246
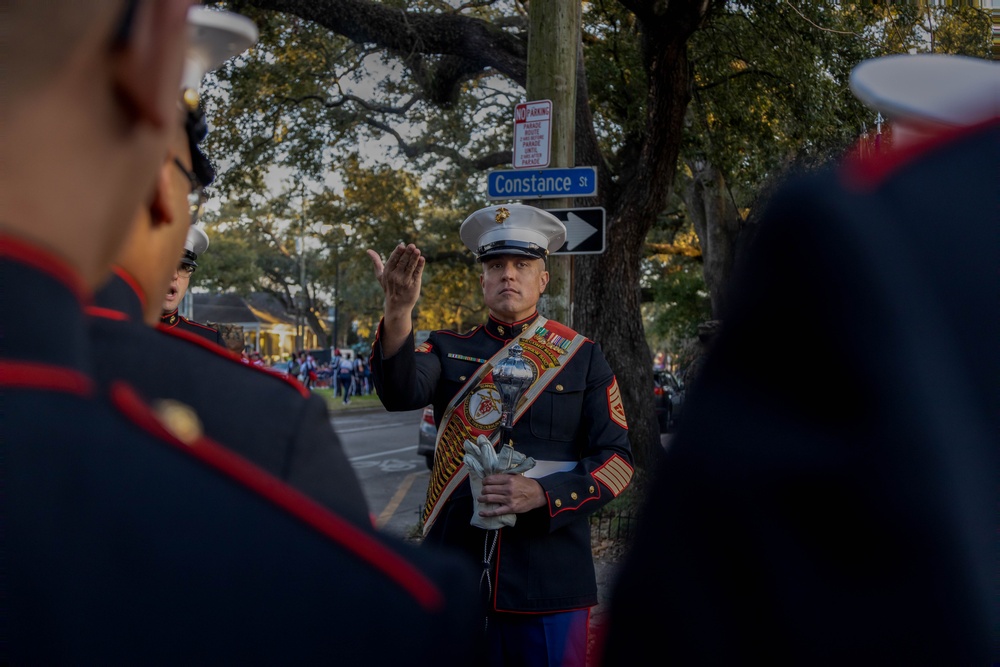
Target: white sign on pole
532, 134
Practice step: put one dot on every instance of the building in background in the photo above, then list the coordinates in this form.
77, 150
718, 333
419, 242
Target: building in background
268, 327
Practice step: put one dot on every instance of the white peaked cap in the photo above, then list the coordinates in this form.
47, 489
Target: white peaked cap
195, 244
932, 91
512, 229
214, 37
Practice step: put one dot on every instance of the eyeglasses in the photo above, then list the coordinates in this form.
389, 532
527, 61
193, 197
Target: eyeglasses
196, 198
185, 269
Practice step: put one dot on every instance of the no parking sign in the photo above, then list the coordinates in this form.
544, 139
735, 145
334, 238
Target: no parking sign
532, 134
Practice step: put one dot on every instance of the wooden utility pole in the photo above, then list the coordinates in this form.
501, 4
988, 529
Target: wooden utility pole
553, 35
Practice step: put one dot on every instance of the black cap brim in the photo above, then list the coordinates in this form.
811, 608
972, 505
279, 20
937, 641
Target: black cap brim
510, 247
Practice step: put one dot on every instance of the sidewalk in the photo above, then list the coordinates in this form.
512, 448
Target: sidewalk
606, 570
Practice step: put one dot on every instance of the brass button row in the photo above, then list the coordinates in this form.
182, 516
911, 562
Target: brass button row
558, 501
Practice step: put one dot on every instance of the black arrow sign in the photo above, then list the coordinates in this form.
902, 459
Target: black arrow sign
585, 230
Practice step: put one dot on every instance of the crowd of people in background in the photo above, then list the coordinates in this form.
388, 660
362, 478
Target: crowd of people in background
353, 376
347, 375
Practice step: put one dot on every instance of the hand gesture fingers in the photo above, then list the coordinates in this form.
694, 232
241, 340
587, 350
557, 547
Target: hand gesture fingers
377, 265
402, 273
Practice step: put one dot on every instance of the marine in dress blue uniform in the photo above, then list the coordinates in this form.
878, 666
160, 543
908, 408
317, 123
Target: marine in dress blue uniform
129, 536
542, 571
196, 243
830, 499
270, 419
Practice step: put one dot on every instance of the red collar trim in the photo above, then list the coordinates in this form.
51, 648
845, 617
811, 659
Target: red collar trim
508, 330
45, 261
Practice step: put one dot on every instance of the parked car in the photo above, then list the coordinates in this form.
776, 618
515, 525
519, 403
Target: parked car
427, 436
668, 393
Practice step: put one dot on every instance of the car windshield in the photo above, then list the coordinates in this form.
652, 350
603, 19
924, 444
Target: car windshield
666, 379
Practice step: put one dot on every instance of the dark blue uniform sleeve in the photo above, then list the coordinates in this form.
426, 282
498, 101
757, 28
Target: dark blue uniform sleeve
408, 379
605, 467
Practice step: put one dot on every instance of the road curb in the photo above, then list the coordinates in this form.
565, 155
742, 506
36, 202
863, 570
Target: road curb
360, 410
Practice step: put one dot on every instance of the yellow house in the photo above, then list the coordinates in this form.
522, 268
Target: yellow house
268, 327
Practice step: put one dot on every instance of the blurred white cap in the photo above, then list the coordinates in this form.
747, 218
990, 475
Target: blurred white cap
214, 37
929, 92
195, 244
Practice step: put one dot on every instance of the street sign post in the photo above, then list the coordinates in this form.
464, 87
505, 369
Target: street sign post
532, 134
585, 230
542, 183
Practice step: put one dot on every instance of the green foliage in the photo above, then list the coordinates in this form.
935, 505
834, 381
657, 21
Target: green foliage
615, 74
451, 299
961, 30
772, 79
679, 303
231, 263
771, 87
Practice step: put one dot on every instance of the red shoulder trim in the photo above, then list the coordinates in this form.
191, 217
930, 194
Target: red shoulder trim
45, 377
865, 175
131, 282
196, 324
223, 353
26, 253
106, 313
336, 528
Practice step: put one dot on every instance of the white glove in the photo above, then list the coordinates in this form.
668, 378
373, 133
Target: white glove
482, 460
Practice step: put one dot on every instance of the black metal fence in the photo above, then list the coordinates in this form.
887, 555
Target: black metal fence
617, 525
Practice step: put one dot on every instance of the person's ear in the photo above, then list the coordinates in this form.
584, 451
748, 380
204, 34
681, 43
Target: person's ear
160, 210
149, 60
544, 278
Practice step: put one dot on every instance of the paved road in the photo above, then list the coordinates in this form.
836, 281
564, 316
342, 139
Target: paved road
382, 447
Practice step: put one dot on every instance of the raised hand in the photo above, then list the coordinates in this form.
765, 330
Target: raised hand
400, 278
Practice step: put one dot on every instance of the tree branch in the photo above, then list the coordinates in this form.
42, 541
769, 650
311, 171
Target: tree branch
473, 44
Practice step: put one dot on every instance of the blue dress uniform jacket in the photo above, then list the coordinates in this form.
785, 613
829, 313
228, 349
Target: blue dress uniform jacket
271, 420
124, 545
544, 562
830, 498
173, 320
